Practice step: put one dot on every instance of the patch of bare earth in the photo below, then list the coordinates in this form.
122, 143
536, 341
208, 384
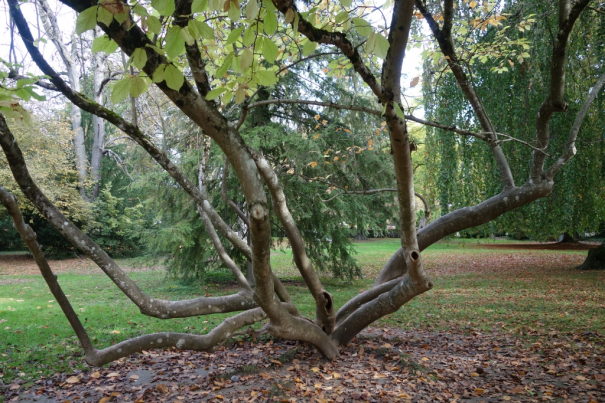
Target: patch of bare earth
383, 365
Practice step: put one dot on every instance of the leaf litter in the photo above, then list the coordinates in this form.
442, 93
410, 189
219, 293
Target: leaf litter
381, 365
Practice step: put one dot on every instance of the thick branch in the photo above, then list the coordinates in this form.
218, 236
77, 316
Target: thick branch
467, 217
555, 102
149, 306
131, 130
324, 305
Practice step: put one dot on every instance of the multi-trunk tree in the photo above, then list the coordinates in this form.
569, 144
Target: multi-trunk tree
210, 60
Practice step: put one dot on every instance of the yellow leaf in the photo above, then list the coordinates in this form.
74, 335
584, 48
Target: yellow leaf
336, 375
105, 399
347, 130
95, 375
72, 379
317, 117
113, 375
316, 136
315, 369
313, 165
473, 4
414, 82
479, 391
474, 374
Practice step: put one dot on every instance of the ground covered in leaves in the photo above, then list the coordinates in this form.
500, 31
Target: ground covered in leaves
382, 365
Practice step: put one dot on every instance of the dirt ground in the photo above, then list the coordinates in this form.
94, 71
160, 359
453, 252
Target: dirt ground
540, 246
382, 365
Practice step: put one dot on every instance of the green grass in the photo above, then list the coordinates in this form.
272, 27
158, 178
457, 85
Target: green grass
36, 340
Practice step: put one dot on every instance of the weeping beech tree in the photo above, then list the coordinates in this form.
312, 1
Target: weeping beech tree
228, 57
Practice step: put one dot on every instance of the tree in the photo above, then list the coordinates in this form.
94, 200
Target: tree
577, 203
211, 39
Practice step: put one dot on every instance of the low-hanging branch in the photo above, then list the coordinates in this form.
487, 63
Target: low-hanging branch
207, 342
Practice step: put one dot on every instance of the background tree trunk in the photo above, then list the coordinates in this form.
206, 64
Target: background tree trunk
98, 123
595, 259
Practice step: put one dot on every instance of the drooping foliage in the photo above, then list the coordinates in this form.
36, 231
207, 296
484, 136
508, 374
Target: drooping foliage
512, 87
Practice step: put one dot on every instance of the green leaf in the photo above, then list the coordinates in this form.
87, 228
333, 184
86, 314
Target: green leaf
309, 47
342, 16
154, 24
120, 18
175, 45
120, 90
270, 50
398, 111
199, 6
104, 16
189, 40
139, 58
269, 5
270, 22
137, 86
346, 3
99, 43
234, 13
201, 29
168, 10
266, 77
363, 27
174, 78
223, 69
249, 36
234, 36
382, 46
23, 94
158, 74
159, 4
140, 10
215, 93
86, 20
252, 9
247, 58
158, 50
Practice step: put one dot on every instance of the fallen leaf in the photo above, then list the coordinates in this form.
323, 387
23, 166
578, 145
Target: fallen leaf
113, 375
95, 375
72, 379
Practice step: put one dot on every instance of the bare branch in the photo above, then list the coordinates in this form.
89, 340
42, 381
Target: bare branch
149, 306
446, 44
119, 161
226, 197
555, 102
131, 130
318, 103
337, 39
323, 300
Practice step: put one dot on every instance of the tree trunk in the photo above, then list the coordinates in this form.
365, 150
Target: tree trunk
595, 259
98, 123
51, 27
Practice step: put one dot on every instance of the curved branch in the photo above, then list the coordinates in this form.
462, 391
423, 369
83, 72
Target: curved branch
96, 357
131, 130
324, 305
318, 103
148, 306
351, 305
446, 45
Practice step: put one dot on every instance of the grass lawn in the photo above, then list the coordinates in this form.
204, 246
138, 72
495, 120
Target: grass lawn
522, 292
